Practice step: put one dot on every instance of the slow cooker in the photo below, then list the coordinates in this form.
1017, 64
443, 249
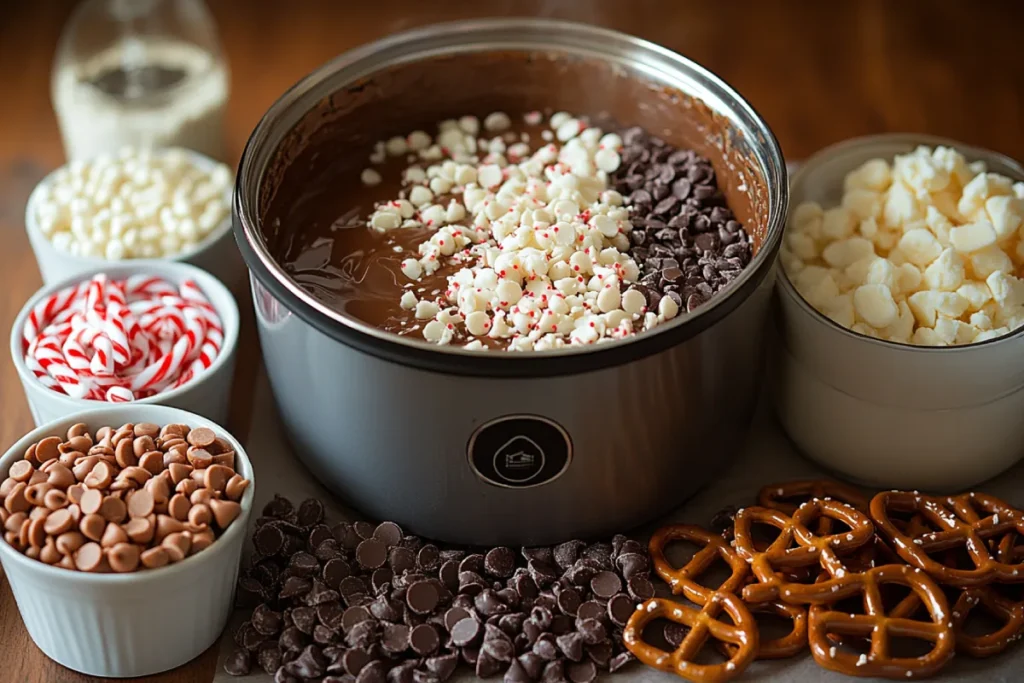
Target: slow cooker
515, 448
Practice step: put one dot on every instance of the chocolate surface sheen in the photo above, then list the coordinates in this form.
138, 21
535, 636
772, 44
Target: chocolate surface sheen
314, 206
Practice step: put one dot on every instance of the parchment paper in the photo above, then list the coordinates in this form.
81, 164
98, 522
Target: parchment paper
767, 457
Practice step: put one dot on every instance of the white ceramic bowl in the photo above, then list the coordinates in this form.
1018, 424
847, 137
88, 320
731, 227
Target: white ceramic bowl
208, 394
217, 253
893, 415
125, 625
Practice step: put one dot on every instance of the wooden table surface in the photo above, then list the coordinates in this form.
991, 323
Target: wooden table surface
818, 72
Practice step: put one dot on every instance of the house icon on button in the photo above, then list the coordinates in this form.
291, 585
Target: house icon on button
519, 460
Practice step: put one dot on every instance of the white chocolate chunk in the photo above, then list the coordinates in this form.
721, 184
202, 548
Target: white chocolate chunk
972, 237
874, 305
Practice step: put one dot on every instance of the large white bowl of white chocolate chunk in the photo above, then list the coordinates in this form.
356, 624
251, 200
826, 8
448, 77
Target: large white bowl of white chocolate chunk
902, 310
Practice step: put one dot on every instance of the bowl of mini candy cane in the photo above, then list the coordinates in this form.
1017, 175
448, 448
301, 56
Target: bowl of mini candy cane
139, 203
144, 332
902, 312
123, 531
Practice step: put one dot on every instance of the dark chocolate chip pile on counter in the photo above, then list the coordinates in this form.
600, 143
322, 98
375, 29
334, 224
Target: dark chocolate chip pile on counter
685, 238
365, 603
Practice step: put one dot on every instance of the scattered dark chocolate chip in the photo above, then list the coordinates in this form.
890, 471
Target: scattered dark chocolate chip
581, 672
500, 562
591, 631
328, 550
395, 638
354, 615
269, 659
268, 540
385, 609
266, 621
486, 665
388, 533
336, 601
319, 593
310, 512
371, 554
516, 673
381, 579
401, 560
238, 663
590, 610
364, 530
571, 645
354, 660
334, 571
428, 558
351, 585
554, 672
674, 633
291, 639
473, 562
640, 588
323, 635
421, 597
465, 632
620, 609
442, 666
373, 672
569, 601
632, 564
488, 604
331, 615
606, 584
346, 535
543, 555
545, 646
402, 673
542, 573
620, 660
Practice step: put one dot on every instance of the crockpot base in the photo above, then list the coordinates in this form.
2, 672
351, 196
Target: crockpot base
393, 441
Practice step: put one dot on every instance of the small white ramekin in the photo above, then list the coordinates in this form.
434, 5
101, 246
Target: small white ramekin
891, 415
209, 394
127, 625
217, 253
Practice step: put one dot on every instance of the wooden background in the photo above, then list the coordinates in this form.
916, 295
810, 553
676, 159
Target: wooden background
819, 72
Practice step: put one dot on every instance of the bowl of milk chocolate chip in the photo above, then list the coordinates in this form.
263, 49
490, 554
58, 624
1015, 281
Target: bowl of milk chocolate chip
512, 276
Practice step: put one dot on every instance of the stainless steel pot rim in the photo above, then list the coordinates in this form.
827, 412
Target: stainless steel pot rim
462, 37
807, 166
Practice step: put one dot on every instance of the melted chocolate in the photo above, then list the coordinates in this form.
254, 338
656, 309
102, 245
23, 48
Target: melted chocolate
314, 205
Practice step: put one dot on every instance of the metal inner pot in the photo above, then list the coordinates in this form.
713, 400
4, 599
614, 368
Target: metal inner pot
671, 397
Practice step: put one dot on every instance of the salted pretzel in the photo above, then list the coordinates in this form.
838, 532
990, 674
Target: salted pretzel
877, 626
784, 646
809, 549
959, 522
703, 624
780, 497
683, 581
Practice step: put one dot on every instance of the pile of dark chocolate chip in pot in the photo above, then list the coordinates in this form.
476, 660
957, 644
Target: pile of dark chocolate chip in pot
366, 603
685, 238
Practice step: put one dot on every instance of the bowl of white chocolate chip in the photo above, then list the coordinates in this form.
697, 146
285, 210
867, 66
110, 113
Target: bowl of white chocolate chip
515, 265
902, 307
137, 203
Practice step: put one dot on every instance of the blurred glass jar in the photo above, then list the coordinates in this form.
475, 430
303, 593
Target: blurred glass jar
140, 73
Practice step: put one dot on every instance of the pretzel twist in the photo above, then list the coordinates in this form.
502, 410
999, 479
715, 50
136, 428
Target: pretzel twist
683, 581
959, 523
809, 549
703, 624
